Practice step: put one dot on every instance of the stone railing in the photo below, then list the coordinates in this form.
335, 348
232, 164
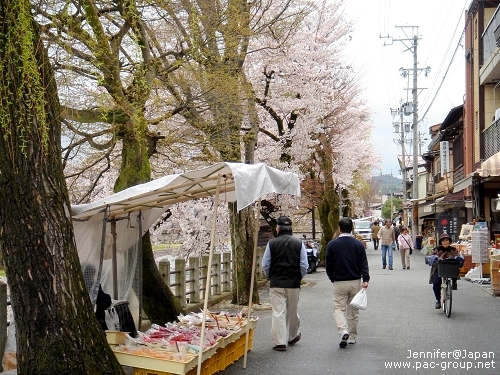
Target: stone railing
187, 279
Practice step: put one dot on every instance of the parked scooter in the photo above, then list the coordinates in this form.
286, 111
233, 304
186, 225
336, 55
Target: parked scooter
312, 256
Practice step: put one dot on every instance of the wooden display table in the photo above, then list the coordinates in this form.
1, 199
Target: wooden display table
225, 352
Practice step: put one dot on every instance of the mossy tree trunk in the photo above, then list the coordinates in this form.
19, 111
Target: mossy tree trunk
56, 329
243, 237
328, 207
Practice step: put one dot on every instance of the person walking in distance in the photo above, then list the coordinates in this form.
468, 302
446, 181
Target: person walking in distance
375, 230
285, 264
347, 268
397, 232
404, 241
387, 239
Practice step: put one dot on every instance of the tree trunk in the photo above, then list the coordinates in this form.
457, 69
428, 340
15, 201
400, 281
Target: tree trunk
159, 303
328, 208
243, 236
328, 211
57, 331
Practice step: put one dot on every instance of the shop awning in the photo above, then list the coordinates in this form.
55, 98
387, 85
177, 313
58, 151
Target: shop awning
491, 166
429, 197
452, 198
462, 184
427, 216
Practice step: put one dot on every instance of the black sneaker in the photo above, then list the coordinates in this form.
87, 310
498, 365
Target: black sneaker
438, 305
295, 340
391, 268
383, 267
343, 341
280, 348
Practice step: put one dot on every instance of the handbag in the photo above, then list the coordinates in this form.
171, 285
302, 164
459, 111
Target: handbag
411, 250
360, 300
112, 319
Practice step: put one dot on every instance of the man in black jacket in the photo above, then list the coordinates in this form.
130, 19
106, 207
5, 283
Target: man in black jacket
285, 264
346, 265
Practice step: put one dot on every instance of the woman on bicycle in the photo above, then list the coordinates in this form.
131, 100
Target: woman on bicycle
443, 251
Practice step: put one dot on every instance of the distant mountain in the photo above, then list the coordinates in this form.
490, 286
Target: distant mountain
389, 184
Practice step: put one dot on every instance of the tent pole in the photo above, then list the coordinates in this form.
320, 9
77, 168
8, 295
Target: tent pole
252, 279
114, 262
139, 270
209, 277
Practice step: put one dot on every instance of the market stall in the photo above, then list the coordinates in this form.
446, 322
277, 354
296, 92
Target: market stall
108, 232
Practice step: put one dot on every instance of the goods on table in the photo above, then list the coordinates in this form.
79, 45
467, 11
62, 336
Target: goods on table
175, 346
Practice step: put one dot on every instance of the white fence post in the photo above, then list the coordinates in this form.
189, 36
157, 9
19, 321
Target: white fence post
226, 272
194, 270
180, 281
215, 272
164, 268
205, 272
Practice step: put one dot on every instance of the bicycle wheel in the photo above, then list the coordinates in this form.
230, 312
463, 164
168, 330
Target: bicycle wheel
448, 298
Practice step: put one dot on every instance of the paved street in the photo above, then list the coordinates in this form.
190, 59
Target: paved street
400, 318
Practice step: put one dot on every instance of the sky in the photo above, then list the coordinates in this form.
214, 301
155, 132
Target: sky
440, 47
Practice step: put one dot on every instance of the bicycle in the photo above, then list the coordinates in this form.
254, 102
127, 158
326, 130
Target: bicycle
447, 270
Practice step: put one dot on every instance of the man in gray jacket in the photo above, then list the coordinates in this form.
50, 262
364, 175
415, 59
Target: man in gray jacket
285, 264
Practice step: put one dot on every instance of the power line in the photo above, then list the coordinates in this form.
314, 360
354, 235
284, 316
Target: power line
445, 74
449, 65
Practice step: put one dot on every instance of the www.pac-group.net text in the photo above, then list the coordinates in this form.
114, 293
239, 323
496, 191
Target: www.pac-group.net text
445, 360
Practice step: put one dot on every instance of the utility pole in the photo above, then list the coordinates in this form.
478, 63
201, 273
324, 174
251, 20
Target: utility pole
400, 129
403, 161
411, 43
392, 196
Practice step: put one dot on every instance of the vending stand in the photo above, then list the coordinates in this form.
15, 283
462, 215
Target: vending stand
109, 232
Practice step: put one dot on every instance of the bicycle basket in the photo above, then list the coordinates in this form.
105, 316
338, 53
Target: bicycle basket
448, 268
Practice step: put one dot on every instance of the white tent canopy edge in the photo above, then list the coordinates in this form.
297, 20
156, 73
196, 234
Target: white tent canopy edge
245, 184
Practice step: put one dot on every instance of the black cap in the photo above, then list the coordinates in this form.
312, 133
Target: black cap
284, 220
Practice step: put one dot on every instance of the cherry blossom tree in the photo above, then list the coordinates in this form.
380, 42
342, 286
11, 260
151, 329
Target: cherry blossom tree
179, 79
314, 119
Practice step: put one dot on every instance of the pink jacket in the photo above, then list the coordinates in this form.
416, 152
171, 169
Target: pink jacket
402, 243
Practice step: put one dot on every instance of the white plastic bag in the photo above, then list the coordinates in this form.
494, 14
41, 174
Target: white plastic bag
112, 319
360, 300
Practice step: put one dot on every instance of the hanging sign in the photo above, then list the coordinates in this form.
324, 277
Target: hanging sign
444, 153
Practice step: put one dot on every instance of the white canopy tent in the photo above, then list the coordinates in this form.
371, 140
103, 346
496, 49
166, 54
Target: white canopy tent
108, 232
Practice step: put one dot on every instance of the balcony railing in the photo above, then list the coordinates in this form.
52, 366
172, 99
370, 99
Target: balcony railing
491, 36
491, 139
